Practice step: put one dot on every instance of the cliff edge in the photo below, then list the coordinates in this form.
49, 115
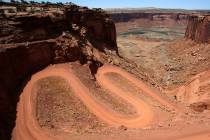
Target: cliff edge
31, 41
198, 28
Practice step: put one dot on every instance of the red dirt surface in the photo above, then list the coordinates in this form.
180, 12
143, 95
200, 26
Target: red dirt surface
27, 126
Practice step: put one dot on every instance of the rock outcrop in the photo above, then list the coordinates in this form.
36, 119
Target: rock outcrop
30, 42
22, 28
198, 28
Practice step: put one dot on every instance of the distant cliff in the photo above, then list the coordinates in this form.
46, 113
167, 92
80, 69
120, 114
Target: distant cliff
130, 14
125, 17
198, 28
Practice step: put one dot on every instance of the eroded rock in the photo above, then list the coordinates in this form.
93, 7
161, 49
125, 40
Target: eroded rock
198, 28
200, 106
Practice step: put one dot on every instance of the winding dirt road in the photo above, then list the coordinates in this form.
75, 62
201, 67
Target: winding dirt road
27, 127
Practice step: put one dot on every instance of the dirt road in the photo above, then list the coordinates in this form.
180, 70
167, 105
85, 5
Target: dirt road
27, 127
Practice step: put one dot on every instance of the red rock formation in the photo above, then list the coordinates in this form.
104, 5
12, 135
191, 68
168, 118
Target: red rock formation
29, 43
97, 23
198, 28
35, 27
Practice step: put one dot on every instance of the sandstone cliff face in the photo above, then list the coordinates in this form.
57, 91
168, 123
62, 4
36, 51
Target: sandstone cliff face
125, 17
29, 43
98, 25
35, 27
198, 29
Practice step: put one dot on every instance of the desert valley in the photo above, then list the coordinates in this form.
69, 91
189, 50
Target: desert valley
69, 72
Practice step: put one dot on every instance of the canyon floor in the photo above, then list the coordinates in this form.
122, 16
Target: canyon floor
68, 101
170, 60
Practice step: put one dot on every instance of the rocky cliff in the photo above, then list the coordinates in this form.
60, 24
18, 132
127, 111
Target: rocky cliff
198, 28
30, 42
125, 17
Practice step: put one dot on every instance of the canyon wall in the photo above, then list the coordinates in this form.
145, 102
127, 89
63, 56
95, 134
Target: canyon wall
30, 42
125, 17
198, 28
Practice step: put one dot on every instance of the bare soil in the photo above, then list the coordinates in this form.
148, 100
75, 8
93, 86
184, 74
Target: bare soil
163, 114
114, 102
67, 108
58, 109
188, 59
170, 64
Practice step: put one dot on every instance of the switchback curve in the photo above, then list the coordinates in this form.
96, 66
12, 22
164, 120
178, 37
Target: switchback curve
27, 126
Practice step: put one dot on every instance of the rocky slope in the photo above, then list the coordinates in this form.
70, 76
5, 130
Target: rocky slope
198, 28
30, 42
